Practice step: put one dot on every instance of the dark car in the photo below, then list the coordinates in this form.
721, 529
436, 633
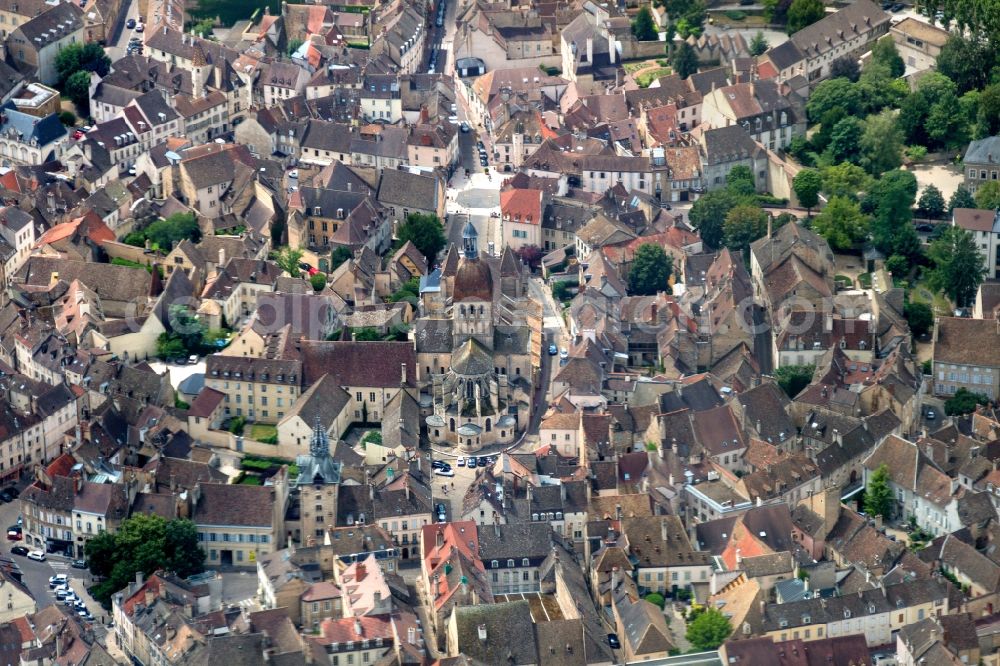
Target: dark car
130, 24
78, 564
8, 494
887, 5
898, 7
614, 642
439, 464
925, 227
483, 461
19, 550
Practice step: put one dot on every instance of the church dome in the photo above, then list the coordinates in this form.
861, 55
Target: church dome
473, 282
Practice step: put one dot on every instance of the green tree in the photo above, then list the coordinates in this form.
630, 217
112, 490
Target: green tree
845, 67
318, 281
967, 62
898, 265
710, 629
684, 60
77, 57
881, 144
841, 223
974, 17
162, 234
878, 493
931, 203
143, 543
367, 334
643, 27
294, 45
204, 27
740, 181
988, 116
425, 232
961, 198
409, 290
650, 271
77, 88
833, 94
804, 12
288, 260
656, 598
845, 139
845, 180
793, 378
807, 184
708, 215
884, 51
758, 45
339, 256
879, 89
744, 224
964, 402
919, 316
988, 196
891, 199
958, 265
776, 11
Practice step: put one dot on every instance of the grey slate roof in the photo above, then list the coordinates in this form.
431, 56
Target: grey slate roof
983, 151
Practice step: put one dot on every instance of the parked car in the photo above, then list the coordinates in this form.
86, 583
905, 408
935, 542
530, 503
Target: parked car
471, 462
78, 564
898, 7
931, 415
57, 580
553, 350
19, 550
460, 462
139, 28
439, 464
613, 641
13, 535
130, 24
483, 461
465, 127
59, 594
563, 353
9, 494
444, 472
37, 555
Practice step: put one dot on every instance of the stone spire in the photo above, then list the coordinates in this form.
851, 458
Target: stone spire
319, 446
469, 238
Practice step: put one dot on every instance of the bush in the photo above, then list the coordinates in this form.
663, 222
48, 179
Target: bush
735, 15
67, 118
318, 281
237, 424
373, 436
656, 599
916, 153
561, 290
865, 280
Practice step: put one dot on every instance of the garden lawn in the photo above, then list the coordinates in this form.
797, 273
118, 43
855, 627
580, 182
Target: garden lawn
643, 80
262, 431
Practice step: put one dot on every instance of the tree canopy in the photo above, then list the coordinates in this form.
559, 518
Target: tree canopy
931, 203
425, 232
744, 224
890, 200
845, 180
878, 493
643, 26
964, 402
885, 52
709, 630
162, 234
708, 215
684, 60
650, 271
793, 378
79, 57
842, 223
802, 13
143, 543
988, 195
807, 184
288, 260
837, 93
919, 316
961, 198
758, 45
958, 265
881, 143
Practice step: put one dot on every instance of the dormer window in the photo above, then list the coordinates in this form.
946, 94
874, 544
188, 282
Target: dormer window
510, 564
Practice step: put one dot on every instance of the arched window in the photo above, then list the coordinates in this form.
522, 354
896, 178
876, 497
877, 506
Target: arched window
510, 564
488, 425
453, 425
